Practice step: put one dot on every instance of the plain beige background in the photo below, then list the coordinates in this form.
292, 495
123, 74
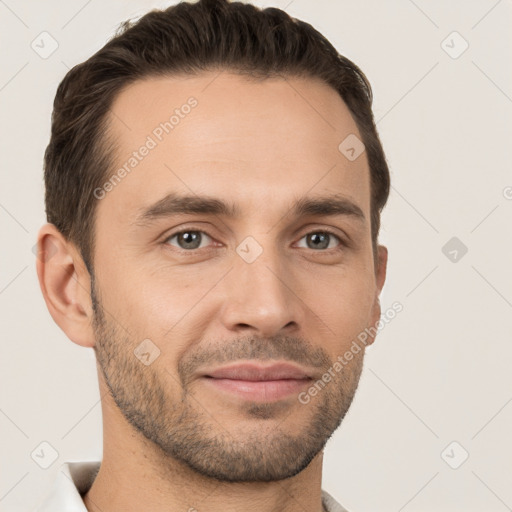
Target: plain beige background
436, 385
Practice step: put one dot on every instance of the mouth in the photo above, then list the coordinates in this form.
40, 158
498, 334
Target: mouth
258, 383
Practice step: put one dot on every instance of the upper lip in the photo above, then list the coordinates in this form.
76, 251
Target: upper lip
258, 372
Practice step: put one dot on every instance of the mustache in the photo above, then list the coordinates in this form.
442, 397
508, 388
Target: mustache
288, 348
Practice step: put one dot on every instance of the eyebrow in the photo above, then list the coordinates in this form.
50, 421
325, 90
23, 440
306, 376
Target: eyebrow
174, 204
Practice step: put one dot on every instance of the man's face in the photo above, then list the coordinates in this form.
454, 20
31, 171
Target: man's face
270, 284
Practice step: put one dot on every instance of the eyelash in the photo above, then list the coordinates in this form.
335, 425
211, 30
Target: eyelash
342, 244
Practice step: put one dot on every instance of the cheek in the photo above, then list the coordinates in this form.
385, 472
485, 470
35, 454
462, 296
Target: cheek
152, 299
344, 304
158, 301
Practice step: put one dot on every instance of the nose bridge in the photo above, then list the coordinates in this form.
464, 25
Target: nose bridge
258, 294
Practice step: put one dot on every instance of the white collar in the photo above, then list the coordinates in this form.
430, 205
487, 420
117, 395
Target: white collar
74, 479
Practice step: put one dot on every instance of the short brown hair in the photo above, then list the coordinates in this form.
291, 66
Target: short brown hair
187, 38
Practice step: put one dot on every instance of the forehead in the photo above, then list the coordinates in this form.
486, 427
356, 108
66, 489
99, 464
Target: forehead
228, 136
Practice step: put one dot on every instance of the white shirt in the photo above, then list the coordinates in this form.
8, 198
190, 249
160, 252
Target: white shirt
75, 479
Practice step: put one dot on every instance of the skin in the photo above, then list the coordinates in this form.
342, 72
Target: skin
171, 442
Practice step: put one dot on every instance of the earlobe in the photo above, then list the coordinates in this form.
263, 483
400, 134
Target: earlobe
65, 285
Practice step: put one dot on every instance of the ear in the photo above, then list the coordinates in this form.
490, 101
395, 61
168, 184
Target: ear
380, 278
66, 285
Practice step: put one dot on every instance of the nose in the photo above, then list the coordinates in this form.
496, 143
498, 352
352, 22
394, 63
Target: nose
260, 299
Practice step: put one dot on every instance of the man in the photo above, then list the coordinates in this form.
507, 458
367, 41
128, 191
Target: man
214, 183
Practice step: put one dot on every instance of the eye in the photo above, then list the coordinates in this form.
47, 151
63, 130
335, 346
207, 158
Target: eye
192, 239
188, 239
317, 240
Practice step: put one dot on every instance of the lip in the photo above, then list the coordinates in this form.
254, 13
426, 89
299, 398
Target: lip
258, 372
257, 382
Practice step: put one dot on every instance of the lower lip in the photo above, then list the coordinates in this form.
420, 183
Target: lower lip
261, 391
